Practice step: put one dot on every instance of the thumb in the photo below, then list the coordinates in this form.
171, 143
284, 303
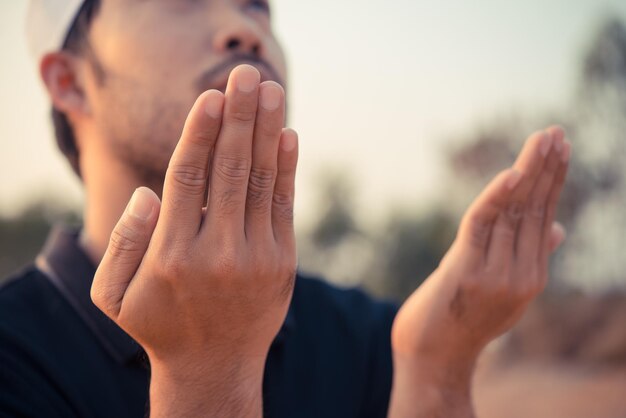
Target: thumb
557, 236
127, 246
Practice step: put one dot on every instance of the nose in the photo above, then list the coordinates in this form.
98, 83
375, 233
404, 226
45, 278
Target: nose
238, 34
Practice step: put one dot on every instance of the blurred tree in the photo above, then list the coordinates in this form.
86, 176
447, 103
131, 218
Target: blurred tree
335, 245
22, 236
599, 232
390, 260
604, 65
337, 220
409, 248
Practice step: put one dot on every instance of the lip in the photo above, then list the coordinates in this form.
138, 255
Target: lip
217, 78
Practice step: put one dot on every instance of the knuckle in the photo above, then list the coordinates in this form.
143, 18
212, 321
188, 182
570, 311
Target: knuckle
102, 297
228, 201
282, 199
233, 171
260, 187
283, 207
124, 240
171, 266
513, 213
505, 231
288, 283
536, 210
258, 200
98, 296
190, 178
227, 264
478, 231
244, 116
262, 178
203, 137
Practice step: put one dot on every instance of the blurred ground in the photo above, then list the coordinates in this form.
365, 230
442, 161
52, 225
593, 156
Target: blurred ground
566, 358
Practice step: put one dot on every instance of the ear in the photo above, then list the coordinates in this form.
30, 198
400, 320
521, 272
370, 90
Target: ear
60, 73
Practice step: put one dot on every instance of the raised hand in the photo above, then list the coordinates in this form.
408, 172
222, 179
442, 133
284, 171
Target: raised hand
206, 291
497, 264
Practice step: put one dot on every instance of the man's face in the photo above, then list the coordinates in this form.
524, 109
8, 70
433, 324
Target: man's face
155, 57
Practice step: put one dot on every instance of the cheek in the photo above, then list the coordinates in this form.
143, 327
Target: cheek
146, 113
147, 65
139, 48
140, 127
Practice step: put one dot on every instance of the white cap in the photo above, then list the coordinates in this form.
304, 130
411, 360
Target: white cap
48, 23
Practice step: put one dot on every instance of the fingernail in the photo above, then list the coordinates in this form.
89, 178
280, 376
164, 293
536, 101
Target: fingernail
247, 78
545, 144
213, 104
558, 145
567, 152
561, 230
559, 132
270, 97
140, 205
514, 179
289, 141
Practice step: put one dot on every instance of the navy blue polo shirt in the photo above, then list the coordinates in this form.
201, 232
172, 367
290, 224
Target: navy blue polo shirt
61, 357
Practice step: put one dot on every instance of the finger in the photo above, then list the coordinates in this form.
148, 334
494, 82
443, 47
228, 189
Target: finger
557, 236
267, 133
230, 168
553, 200
284, 190
127, 246
477, 224
534, 220
186, 178
530, 164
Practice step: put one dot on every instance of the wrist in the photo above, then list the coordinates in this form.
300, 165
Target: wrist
225, 387
425, 387
435, 370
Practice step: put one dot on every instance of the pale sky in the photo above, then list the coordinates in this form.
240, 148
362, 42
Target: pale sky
375, 87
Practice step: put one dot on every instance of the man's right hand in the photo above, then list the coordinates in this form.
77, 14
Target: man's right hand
205, 291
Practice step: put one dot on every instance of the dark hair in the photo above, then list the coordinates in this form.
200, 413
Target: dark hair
76, 42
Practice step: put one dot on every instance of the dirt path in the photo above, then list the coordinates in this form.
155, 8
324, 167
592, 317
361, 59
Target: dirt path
566, 359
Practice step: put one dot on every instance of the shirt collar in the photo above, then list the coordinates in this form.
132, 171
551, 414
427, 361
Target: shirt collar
66, 265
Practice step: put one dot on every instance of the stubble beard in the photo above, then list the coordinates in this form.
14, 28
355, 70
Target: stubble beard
141, 129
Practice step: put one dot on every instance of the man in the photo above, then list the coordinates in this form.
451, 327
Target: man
192, 234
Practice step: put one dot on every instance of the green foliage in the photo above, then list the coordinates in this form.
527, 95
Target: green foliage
336, 221
605, 62
390, 260
410, 248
